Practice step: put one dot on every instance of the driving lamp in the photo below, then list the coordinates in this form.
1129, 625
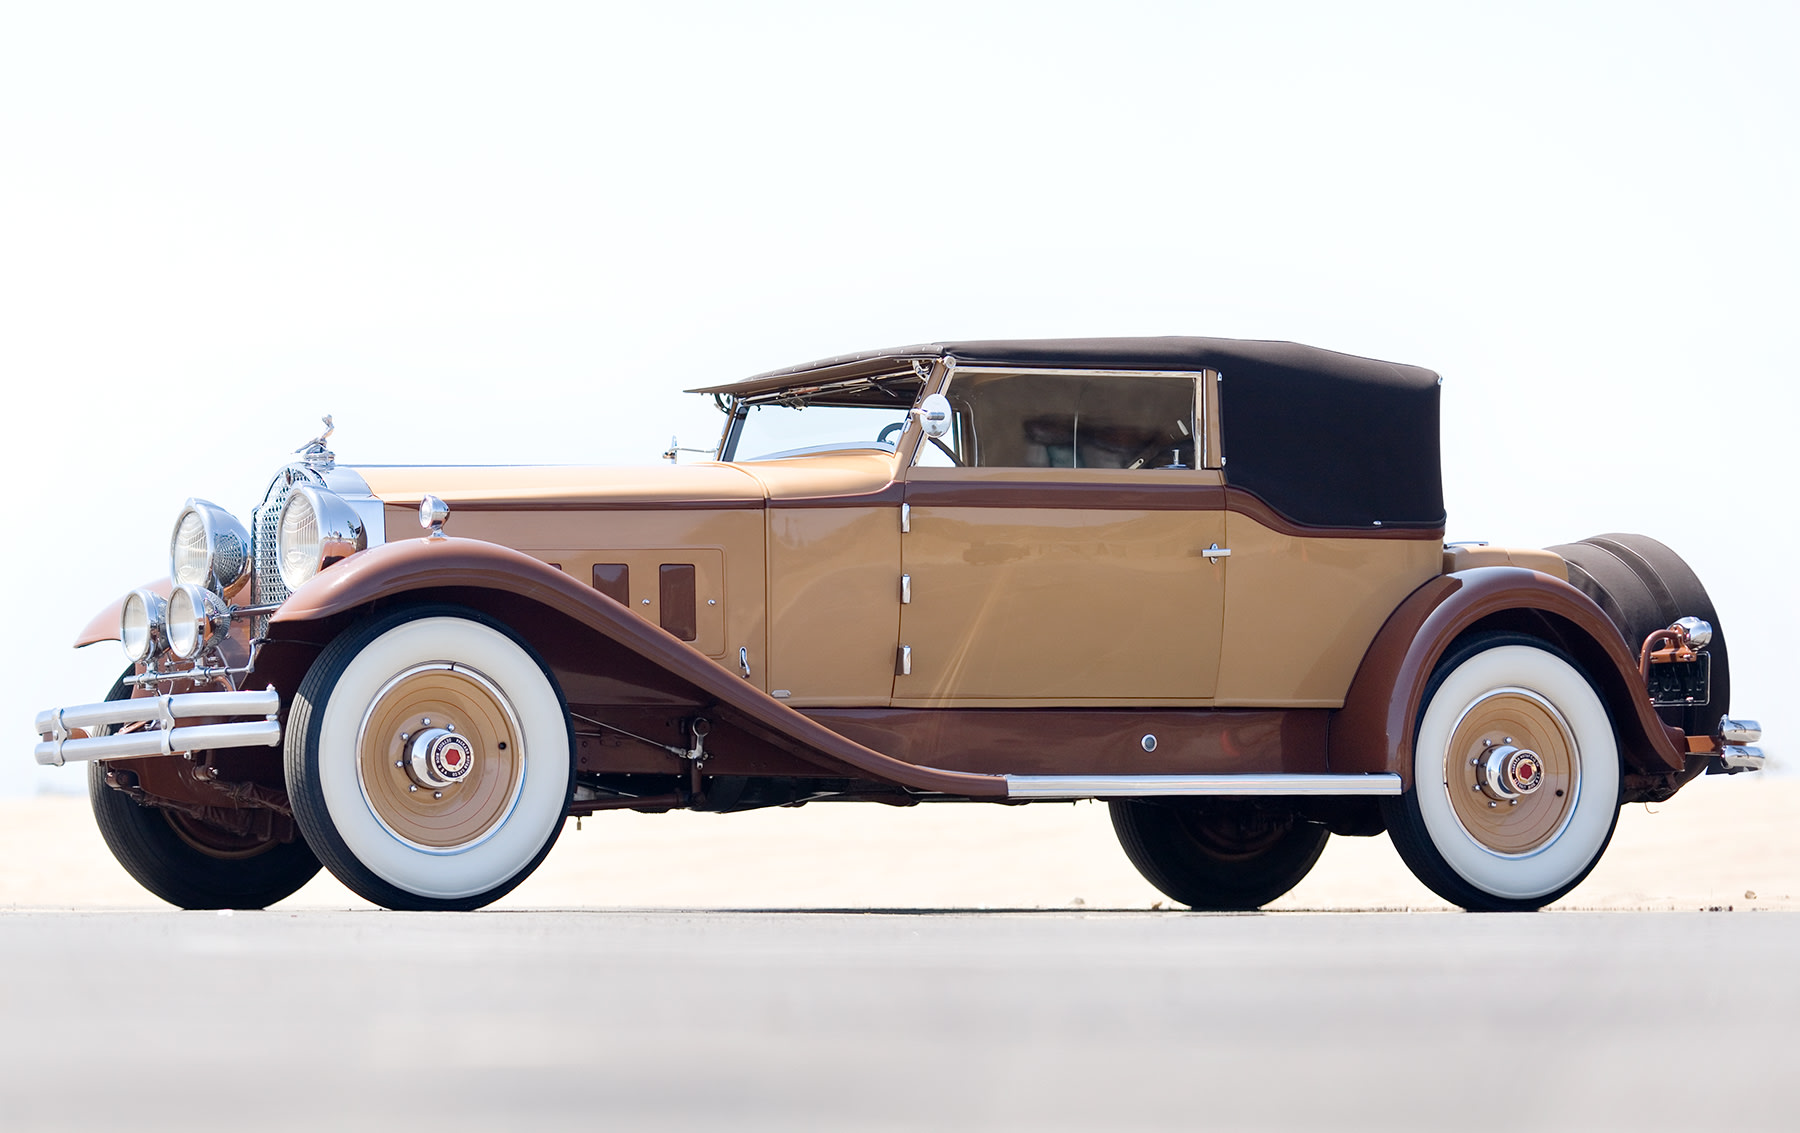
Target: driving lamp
143, 625
197, 620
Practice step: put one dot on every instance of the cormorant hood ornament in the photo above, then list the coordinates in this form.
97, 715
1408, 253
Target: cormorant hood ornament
314, 452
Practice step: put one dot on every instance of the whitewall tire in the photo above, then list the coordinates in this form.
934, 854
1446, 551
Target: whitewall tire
1516, 777
430, 759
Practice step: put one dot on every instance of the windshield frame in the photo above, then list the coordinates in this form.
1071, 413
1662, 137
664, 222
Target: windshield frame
839, 393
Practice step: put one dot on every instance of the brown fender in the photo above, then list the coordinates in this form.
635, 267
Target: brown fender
421, 565
105, 624
1373, 731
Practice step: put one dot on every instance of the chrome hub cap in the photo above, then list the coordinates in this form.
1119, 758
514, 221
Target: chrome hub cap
1508, 772
439, 758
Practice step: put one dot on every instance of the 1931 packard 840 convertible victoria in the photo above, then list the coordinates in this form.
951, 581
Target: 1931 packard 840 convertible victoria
1203, 579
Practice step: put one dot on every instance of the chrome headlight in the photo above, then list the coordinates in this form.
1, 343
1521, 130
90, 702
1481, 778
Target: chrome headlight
143, 625
209, 548
198, 619
317, 529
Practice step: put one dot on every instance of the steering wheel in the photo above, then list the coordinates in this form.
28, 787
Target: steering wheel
881, 438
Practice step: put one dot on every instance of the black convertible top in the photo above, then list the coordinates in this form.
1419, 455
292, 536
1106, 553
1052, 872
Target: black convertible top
1324, 438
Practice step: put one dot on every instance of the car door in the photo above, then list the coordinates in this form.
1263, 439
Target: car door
1065, 549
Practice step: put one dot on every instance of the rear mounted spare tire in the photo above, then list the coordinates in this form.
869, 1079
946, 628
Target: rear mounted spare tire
1644, 586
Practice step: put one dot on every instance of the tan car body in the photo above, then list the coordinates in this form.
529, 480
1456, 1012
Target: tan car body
1057, 594
1201, 578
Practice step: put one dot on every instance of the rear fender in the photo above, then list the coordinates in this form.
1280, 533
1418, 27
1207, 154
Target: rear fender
562, 618
1373, 731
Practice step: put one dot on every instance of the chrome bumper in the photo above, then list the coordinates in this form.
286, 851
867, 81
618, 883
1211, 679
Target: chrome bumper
1735, 753
60, 724
1742, 757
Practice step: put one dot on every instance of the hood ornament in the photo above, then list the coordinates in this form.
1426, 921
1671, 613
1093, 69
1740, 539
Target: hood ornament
315, 454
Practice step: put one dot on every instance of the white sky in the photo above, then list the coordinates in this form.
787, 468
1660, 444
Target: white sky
512, 233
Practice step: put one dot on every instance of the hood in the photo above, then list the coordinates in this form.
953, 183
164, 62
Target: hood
561, 486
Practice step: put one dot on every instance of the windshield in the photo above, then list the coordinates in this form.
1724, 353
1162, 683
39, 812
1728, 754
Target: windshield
869, 413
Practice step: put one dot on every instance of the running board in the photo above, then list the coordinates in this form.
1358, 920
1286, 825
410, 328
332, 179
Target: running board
1146, 786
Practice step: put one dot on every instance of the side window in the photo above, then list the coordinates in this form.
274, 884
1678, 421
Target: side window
1027, 420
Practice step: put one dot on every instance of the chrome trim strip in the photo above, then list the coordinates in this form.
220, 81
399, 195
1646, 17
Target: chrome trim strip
995, 368
1145, 786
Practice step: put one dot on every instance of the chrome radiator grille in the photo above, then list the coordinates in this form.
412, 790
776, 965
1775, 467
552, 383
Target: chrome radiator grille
269, 587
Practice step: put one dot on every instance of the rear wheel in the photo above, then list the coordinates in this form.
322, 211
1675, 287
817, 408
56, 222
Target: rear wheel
1515, 786
430, 759
1219, 855
189, 863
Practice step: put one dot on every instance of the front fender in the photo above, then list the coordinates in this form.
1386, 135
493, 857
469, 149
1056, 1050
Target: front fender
105, 624
425, 566
1373, 731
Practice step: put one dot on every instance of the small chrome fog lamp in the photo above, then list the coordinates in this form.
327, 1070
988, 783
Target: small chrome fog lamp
209, 548
317, 529
143, 625
198, 619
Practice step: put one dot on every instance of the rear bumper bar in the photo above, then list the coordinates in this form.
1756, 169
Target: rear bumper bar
70, 730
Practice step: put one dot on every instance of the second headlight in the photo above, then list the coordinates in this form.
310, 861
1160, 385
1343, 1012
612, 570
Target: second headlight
317, 529
209, 548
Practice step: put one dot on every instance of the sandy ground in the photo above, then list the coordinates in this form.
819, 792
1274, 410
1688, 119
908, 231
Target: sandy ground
1722, 842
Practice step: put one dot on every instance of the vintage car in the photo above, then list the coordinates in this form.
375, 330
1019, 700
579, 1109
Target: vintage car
1202, 579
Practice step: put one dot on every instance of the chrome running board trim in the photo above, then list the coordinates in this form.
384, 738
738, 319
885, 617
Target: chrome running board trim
1147, 786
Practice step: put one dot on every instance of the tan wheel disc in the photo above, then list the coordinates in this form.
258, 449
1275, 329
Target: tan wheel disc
1521, 719
445, 816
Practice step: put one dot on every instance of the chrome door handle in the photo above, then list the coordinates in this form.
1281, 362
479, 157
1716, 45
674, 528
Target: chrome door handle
1215, 552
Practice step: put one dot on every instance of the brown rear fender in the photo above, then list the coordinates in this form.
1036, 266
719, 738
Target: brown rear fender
506, 583
1373, 731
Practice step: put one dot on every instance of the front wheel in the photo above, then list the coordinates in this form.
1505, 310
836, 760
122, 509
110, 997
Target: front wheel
1218, 855
1516, 777
430, 759
189, 863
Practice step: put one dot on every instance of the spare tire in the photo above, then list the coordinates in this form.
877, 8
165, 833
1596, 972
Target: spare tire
1644, 586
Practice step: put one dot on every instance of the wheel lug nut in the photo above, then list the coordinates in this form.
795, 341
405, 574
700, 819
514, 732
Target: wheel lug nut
411, 787
437, 794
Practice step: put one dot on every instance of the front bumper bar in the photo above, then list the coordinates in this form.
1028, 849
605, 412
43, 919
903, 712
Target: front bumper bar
70, 730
